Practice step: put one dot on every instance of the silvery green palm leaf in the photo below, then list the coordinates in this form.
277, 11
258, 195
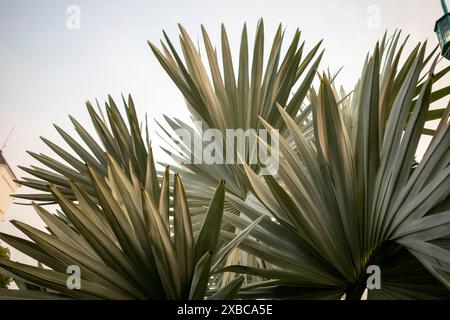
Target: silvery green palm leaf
130, 233
354, 198
220, 98
125, 243
225, 95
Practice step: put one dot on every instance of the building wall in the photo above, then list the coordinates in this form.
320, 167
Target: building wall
7, 186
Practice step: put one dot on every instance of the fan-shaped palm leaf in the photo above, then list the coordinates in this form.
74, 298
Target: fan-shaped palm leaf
118, 224
125, 246
226, 100
351, 197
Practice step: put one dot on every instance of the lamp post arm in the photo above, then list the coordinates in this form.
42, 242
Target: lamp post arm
444, 6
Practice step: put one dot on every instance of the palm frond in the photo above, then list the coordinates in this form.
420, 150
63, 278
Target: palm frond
351, 197
130, 236
224, 99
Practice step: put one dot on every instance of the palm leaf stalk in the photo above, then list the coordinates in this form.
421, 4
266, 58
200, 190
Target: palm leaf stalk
351, 198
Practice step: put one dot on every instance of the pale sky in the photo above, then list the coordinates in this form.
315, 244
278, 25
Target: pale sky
47, 71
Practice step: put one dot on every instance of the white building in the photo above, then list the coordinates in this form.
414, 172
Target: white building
7, 186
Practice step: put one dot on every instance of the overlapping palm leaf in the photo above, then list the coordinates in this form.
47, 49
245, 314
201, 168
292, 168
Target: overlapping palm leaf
228, 100
349, 192
127, 246
353, 195
131, 235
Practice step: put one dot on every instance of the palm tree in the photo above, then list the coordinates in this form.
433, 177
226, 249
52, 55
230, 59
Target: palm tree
354, 197
118, 225
215, 101
349, 193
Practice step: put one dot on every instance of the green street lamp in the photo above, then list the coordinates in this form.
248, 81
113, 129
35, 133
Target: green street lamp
442, 30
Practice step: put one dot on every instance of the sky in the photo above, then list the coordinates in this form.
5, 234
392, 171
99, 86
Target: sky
50, 64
